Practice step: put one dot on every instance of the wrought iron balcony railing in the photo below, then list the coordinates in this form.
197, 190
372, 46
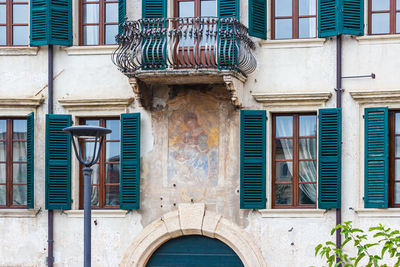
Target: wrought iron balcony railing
184, 43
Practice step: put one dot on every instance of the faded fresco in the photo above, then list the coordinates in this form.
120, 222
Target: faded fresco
193, 134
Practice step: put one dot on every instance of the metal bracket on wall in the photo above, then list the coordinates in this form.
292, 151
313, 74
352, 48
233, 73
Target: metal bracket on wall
372, 75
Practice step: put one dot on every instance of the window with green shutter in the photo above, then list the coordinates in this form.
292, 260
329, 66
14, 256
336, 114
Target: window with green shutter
58, 162
51, 22
340, 17
376, 157
330, 158
258, 18
154, 8
30, 158
228, 9
121, 14
252, 159
130, 161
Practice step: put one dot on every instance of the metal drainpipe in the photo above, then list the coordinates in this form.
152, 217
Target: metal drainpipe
338, 105
50, 219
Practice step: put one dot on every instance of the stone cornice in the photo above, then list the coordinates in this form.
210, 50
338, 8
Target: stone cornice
288, 99
30, 102
90, 103
364, 97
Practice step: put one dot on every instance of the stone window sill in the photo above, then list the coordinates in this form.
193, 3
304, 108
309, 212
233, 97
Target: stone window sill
90, 50
292, 43
98, 213
378, 213
19, 51
17, 213
292, 213
379, 39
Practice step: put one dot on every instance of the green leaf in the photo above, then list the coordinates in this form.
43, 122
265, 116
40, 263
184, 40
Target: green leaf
317, 248
360, 256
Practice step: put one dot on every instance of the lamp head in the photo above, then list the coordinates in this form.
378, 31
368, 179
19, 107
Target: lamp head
84, 131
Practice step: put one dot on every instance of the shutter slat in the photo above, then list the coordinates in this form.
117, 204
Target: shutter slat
329, 158
51, 22
376, 157
58, 162
228, 9
30, 155
258, 18
130, 161
121, 14
252, 159
154, 8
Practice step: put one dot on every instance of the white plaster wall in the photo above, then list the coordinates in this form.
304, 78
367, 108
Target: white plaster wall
283, 67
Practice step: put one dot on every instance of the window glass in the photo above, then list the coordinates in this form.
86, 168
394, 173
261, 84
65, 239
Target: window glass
398, 4
91, 13
112, 173
307, 194
283, 8
2, 14
308, 125
19, 129
114, 125
307, 27
20, 35
3, 39
186, 9
19, 173
112, 151
19, 151
20, 14
112, 12
3, 128
283, 28
2, 171
208, 8
378, 5
380, 23
284, 126
284, 149
397, 193
284, 170
307, 148
398, 22
283, 194
111, 32
3, 193
112, 195
307, 7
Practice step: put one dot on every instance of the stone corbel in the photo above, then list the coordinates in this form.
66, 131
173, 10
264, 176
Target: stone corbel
235, 89
143, 94
136, 89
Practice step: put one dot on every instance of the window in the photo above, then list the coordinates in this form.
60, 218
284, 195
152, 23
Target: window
394, 159
384, 16
106, 172
293, 19
14, 15
13, 163
99, 22
294, 156
196, 8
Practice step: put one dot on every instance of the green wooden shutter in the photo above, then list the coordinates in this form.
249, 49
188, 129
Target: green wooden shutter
121, 15
58, 162
130, 161
30, 148
154, 8
228, 8
258, 18
330, 158
51, 22
376, 157
252, 159
340, 17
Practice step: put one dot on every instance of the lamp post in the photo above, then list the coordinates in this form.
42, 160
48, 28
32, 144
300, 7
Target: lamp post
97, 134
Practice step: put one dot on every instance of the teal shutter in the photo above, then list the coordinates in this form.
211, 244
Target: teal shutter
121, 15
258, 18
30, 148
228, 9
51, 22
252, 159
58, 162
330, 158
376, 157
154, 8
130, 161
340, 17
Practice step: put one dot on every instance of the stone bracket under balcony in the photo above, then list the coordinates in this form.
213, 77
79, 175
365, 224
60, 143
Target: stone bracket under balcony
234, 82
185, 51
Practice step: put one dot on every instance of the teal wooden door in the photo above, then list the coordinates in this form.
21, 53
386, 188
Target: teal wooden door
194, 251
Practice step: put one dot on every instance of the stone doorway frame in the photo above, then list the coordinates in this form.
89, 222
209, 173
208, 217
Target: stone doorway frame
192, 219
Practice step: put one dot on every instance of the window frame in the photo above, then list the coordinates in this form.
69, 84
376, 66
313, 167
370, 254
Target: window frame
102, 20
295, 20
392, 151
102, 167
295, 160
392, 17
197, 7
10, 162
10, 22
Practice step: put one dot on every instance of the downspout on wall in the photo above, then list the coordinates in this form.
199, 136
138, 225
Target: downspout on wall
338, 105
50, 218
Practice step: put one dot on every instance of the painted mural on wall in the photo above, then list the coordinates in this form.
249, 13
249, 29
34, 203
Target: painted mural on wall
193, 134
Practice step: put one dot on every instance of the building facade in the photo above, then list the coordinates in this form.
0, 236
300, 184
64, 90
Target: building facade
225, 125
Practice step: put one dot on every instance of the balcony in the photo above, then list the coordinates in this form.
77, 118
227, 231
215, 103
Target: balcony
193, 50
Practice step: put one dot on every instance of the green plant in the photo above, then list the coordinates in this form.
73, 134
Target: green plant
385, 238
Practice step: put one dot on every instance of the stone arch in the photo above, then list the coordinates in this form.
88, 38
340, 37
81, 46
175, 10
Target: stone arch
192, 219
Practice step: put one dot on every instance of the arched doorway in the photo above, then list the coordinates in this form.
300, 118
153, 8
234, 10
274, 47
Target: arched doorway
194, 251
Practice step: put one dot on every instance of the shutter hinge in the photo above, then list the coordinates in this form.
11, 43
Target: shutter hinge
363, 116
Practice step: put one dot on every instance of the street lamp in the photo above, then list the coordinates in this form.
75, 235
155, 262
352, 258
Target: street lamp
97, 134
